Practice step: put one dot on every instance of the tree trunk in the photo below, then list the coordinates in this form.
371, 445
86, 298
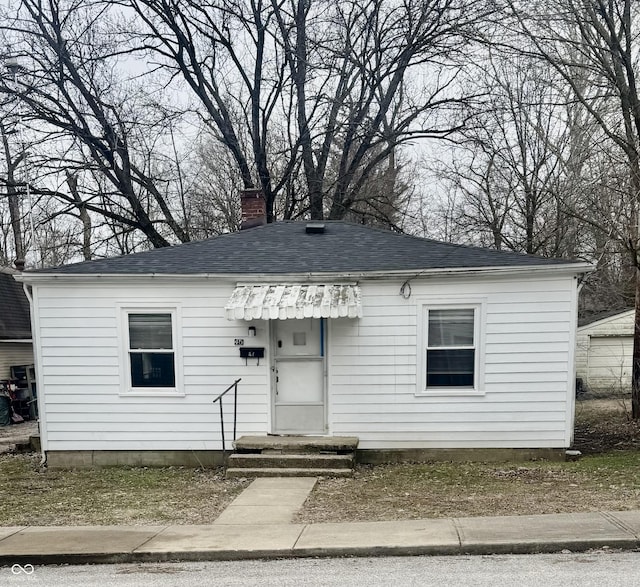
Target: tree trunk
72, 182
635, 377
634, 164
13, 196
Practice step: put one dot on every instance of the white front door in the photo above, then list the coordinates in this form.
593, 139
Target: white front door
298, 382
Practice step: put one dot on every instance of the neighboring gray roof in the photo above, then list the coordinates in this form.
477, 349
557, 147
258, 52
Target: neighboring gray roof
15, 323
285, 247
596, 317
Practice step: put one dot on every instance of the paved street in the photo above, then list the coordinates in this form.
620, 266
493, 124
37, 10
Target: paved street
591, 569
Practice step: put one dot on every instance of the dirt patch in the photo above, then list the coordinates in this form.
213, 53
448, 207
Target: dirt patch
22, 430
16, 434
605, 424
606, 478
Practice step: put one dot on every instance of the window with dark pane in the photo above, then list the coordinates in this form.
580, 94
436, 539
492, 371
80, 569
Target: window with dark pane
151, 350
451, 347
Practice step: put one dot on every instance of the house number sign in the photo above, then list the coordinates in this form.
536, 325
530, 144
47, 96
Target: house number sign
238, 341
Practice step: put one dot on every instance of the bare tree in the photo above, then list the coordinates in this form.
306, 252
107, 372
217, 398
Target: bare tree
509, 169
212, 203
322, 83
71, 90
592, 45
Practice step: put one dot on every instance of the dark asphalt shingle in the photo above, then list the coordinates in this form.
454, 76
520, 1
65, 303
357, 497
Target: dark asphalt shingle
597, 316
15, 321
285, 247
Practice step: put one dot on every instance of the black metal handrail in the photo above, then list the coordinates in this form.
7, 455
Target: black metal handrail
233, 386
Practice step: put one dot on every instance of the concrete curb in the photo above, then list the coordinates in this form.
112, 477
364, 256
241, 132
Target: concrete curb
231, 555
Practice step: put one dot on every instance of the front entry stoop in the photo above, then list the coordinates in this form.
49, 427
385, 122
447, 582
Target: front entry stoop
293, 456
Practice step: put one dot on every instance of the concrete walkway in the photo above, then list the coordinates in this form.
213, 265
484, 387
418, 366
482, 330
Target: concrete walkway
257, 525
270, 500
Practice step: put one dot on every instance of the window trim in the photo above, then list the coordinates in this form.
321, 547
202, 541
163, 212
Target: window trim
126, 386
478, 305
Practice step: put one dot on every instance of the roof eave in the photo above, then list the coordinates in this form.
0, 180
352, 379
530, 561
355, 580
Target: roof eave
566, 268
602, 321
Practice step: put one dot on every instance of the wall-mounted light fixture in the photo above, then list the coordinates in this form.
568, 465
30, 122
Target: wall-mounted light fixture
252, 330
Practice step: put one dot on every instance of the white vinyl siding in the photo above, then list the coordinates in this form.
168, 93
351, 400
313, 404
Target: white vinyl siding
609, 364
82, 369
14, 354
374, 366
527, 367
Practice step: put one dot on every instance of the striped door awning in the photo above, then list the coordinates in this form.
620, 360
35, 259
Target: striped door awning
293, 301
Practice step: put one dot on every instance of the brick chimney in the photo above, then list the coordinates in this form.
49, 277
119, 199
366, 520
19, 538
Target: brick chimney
254, 208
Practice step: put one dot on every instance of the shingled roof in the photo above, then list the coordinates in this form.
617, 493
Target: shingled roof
15, 321
287, 248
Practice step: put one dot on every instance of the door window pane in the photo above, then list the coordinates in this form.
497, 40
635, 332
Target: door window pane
299, 339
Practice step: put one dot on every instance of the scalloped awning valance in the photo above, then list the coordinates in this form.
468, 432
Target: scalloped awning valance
287, 301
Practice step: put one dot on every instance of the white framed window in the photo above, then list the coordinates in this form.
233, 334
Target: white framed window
151, 355
451, 348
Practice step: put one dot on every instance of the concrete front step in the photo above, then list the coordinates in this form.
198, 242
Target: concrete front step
236, 473
297, 444
295, 461
293, 456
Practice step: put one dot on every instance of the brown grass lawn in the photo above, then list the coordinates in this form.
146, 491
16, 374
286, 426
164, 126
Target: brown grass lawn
606, 478
115, 495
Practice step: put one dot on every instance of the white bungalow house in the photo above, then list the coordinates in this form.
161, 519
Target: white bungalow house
334, 329
604, 352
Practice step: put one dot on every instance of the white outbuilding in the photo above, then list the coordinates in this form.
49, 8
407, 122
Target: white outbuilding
604, 352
